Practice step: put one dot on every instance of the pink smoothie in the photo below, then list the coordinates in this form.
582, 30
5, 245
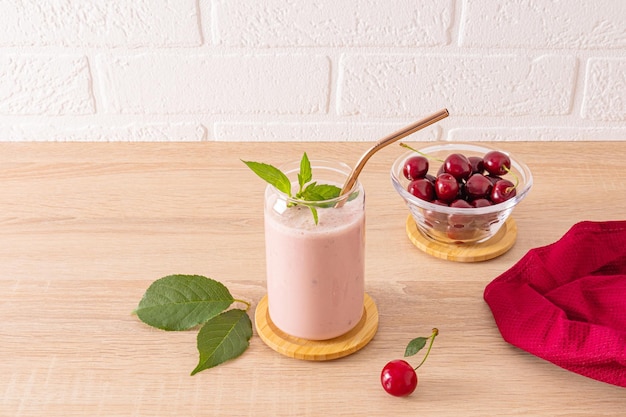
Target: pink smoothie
315, 273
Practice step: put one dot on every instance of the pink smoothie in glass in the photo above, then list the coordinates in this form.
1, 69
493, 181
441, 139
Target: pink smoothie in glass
315, 273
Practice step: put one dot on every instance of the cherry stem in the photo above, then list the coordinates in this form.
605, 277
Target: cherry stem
248, 305
510, 171
432, 340
404, 145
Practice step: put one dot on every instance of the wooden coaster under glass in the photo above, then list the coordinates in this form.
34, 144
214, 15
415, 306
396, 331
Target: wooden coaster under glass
317, 350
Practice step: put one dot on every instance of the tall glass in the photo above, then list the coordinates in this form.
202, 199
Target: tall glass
315, 273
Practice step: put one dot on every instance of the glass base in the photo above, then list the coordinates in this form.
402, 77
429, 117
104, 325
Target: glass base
317, 350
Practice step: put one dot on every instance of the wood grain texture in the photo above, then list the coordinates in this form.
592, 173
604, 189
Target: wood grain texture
86, 227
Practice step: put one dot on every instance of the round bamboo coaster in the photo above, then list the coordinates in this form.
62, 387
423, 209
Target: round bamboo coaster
494, 247
317, 350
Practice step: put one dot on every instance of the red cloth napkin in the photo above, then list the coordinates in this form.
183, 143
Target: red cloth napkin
566, 302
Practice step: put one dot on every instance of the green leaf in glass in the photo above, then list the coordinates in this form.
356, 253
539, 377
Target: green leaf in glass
180, 302
271, 175
320, 192
316, 217
222, 338
415, 346
327, 191
305, 175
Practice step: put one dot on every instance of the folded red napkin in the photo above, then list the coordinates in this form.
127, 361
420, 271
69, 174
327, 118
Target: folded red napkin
566, 302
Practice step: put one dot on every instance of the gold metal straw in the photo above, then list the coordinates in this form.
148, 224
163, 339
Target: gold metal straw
406, 131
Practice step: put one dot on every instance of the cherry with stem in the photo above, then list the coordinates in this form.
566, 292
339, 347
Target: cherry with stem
398, 377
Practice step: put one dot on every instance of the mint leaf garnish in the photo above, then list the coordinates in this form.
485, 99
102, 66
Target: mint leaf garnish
327, 191
320, 192
316, 217
180, 302
309, 192
272, 175
305, 175
223, 338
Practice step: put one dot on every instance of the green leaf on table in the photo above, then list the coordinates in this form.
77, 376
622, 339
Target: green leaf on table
222, 338
271, 175
180, 302
415, 346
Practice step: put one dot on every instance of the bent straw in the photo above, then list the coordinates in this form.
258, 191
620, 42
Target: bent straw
404, 132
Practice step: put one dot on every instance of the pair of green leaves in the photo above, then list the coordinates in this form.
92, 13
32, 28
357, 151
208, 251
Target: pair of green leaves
182, 302
312, 194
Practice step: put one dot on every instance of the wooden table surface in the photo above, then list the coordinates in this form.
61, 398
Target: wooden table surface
86, 227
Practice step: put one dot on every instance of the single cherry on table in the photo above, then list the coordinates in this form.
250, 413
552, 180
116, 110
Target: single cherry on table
398, 377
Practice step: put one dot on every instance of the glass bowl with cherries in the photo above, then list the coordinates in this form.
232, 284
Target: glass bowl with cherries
460, 193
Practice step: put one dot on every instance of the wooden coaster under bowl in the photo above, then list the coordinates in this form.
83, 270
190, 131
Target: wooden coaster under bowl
500, 243
317, 350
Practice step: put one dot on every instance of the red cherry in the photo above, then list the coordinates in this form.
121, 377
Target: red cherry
497, 163
446, 187
435, 219
460, 204
502, 191
398, 378
463, 178
493, 178
460, 233
415, 167
478, 186
478, 167
457, 165
481, 202
422, 188
459, 221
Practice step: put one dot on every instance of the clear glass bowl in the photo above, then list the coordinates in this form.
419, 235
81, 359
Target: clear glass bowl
459, 225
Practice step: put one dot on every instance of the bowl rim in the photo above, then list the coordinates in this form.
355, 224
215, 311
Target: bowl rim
516, 163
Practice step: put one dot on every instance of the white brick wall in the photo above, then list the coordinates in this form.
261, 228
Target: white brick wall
276, 70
